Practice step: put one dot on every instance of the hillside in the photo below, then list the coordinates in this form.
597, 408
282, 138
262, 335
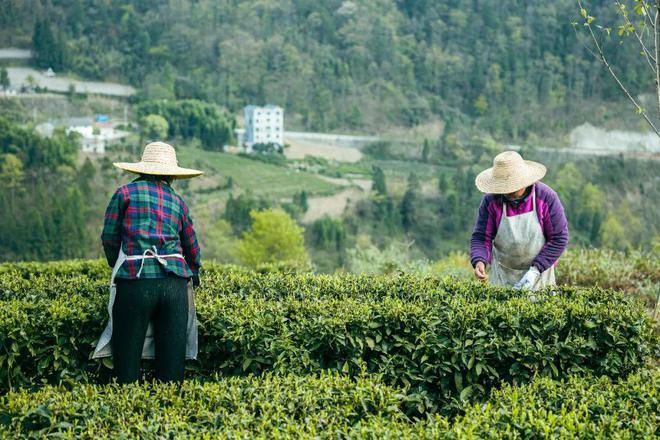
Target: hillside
337, 65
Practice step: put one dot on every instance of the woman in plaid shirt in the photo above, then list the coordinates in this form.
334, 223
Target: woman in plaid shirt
149, 240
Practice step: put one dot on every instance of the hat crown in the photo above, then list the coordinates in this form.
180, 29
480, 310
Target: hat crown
505, 164
160, 153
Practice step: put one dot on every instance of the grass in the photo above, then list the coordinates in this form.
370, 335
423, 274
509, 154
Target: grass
259, 177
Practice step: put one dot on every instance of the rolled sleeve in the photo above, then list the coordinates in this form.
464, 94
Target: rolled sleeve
482, 235
112, 221
189, 244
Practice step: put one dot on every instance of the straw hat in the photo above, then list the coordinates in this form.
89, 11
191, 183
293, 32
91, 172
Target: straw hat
158, 159
509, 174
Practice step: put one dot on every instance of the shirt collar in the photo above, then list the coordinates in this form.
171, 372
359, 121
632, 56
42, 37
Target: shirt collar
520, 200
151, 178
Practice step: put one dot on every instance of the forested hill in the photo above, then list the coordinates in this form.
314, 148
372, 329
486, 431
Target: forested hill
513, 67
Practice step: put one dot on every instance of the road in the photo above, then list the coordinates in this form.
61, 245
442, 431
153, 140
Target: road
11, 53
18, 76
345, 140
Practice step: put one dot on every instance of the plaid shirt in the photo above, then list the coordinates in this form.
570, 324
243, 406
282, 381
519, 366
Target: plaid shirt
146, 213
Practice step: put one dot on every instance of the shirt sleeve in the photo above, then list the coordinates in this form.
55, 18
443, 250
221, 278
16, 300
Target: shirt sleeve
555, 229
112, 223
481, 243
189, 243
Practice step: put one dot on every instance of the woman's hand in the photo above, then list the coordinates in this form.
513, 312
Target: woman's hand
480, 271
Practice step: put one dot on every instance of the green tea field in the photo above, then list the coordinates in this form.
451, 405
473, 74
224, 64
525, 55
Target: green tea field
298, 355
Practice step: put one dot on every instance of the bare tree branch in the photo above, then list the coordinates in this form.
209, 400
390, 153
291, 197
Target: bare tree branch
656, 32
601, 56
647, 53
647, 14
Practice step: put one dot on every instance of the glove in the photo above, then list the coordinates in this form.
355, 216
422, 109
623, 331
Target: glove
195, 281
528, 280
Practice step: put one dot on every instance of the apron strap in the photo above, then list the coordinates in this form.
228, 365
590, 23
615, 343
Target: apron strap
152, 253
533, 202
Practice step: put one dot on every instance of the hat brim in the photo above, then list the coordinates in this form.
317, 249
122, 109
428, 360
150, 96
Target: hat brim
532, 172
158, 169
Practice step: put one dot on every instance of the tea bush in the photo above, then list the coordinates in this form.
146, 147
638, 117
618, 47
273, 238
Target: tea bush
633, 272
331, 406
575, 408
445, 342
265, 407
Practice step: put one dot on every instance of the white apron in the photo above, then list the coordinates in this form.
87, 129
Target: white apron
518, 241
103, 346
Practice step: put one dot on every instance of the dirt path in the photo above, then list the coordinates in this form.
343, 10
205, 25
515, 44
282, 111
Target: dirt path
335, 205
298, 149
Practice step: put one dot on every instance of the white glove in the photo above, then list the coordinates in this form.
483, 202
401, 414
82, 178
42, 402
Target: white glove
528, 280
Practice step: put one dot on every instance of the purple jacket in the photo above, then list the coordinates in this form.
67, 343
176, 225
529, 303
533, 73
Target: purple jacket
551, 216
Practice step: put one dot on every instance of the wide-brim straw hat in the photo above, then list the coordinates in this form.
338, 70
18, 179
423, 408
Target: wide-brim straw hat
159, 159
509, 173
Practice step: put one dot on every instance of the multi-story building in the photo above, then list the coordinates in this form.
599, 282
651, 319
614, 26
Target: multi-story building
264, 125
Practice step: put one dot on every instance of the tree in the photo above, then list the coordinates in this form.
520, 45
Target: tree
641, 22
4, 79
47, 47
193, 119
378, 178
300, 199
408, 203
613, 233
237, 210
426, 151
154, 127
273, 238
218, 241
443, 184
328, 233
12, 174
86, 176
268, 148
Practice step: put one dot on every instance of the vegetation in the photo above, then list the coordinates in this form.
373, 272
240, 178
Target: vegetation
444, 341
154, 127
192, 119
637, 20
331, 406
263, 179
273, 237
43, 215
337, 64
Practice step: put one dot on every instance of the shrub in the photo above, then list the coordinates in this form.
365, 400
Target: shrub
444, 341
576, 408
331, 406
633, 272
93, 269
265, 407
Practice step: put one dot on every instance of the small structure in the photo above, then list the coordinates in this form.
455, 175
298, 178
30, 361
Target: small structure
263, 125
94, 139
240, 136
46, 129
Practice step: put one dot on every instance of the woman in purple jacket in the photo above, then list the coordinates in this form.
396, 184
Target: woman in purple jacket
521, 229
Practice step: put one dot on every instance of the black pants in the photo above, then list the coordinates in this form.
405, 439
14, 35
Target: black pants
163, 300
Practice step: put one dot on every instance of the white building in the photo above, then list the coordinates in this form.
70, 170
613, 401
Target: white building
264, 125
95, 139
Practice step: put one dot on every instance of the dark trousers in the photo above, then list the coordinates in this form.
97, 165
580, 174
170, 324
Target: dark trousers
165, 302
